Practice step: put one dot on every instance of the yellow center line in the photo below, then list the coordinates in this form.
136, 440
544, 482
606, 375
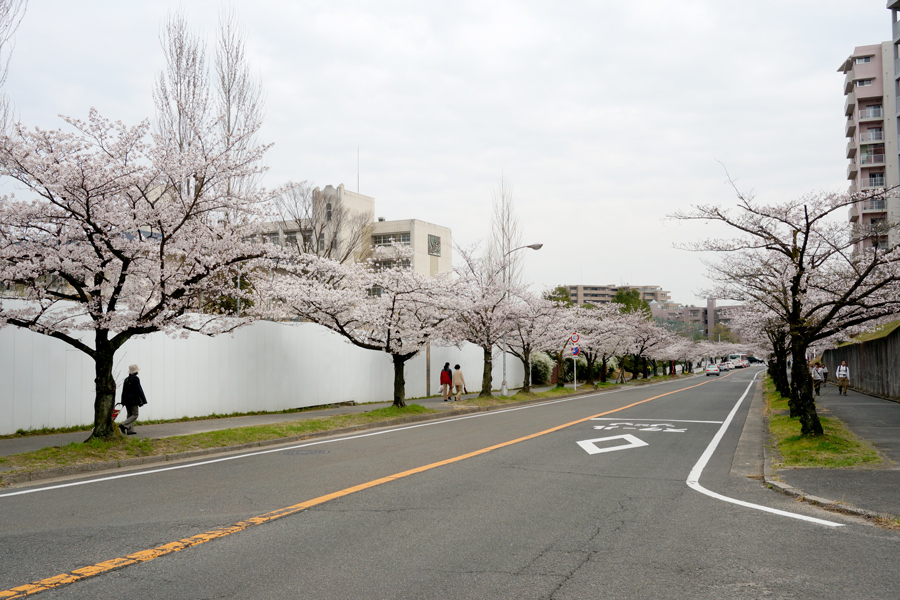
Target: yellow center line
152, 553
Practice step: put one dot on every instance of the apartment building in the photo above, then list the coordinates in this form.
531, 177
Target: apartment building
603, 294
870, 90
702, 318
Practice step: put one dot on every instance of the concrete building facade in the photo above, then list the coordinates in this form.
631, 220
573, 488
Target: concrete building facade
870, 106
357, 231
603, 294
703, 319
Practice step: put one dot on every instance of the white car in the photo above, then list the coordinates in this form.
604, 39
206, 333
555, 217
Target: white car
712, 370
730, 365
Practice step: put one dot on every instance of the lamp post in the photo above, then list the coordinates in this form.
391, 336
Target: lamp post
504, 390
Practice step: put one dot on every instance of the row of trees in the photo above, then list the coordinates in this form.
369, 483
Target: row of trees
121, 231
808, 278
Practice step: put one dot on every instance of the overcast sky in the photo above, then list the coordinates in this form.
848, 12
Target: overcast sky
603, 115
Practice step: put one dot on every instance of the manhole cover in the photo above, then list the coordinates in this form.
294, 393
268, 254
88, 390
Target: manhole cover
302, 452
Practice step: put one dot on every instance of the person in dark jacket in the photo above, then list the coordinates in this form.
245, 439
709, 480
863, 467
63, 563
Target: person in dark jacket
132, 398
446, 380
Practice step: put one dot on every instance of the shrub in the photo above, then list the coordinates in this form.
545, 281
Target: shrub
541, 368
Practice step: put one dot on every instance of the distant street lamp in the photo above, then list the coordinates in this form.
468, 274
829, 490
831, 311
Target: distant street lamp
504, 390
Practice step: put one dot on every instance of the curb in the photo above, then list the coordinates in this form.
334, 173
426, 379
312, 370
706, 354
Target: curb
82, 469
779, 486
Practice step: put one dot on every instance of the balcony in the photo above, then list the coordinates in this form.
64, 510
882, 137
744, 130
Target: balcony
896, 30
876, 205
871, 113
871, 136
848, 81
872, 183
871, 159
852, 170
854, 213
850, 103
851, 148
850, 126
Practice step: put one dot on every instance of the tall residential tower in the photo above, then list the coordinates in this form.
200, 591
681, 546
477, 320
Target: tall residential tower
871, 126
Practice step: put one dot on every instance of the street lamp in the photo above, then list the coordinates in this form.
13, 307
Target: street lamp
504, 390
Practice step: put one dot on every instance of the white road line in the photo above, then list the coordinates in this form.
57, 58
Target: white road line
693, 479
653, 420
307, 444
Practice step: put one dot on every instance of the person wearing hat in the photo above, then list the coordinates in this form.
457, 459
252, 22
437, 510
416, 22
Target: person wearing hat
132, 398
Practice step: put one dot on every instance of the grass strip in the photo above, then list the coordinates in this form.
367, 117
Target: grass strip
837, 448
122, 448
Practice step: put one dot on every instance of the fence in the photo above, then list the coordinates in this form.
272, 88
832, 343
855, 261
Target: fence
874, 365
263, 367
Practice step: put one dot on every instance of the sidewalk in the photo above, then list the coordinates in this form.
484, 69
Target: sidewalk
31, 443
859, 490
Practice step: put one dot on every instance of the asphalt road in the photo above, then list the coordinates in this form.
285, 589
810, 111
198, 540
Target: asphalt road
435, 510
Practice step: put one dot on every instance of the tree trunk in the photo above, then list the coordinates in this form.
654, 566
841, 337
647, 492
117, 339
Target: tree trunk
591, 359
802, 394
603, 372
399, 380
104, 388
561, 370
487, 374
526, 363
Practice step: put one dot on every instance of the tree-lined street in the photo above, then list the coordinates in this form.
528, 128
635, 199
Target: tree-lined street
538, 518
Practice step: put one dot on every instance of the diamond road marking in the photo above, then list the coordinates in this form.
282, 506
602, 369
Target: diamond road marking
590, 446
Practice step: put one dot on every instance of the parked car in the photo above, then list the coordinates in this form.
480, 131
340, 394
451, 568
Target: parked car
712, 370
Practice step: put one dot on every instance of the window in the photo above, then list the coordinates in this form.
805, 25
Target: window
381, 265
321, 242
863, 82
328, 211
271, 238
863, 59
290, 239
386, 239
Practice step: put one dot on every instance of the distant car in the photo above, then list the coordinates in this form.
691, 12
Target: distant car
712, 370
730, 365
723, 366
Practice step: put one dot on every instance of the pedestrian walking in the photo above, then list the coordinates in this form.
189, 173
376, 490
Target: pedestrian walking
824, 375
816, 379
843, 377
446, 381
132, 398
459, 382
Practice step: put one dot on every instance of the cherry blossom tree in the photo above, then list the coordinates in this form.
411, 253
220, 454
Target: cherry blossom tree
484, 310
111, 239
803, 262
535, 324
603, 332
390, 309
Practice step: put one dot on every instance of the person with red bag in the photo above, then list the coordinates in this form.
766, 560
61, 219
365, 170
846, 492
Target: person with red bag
446, 380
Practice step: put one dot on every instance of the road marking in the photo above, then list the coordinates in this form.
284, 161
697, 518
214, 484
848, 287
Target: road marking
152, 553
664, 427
651, 420
590, 446
693, 479
280, 448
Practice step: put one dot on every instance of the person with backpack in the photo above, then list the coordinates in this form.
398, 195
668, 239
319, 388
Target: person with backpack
843, 377
132, 398
446, 381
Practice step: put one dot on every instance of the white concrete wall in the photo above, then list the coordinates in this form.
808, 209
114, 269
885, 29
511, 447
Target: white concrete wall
264, 367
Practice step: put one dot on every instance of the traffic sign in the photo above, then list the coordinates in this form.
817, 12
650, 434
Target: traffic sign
575, 338
575, 351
